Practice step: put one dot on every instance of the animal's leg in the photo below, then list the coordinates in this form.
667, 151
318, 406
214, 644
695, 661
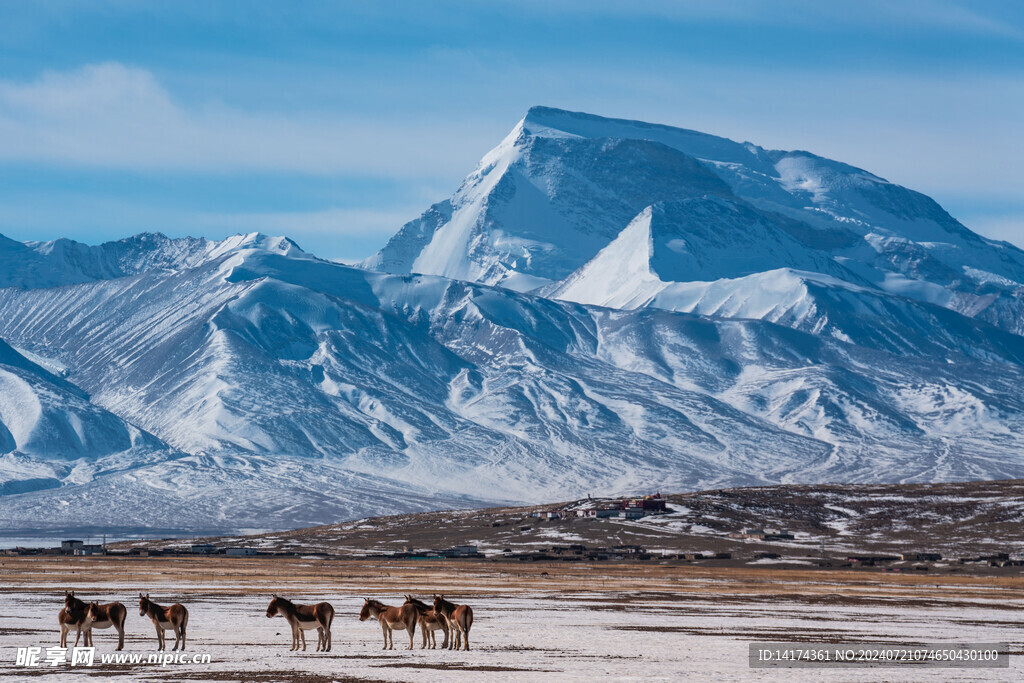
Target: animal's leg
63, 636
120, 637
302, 635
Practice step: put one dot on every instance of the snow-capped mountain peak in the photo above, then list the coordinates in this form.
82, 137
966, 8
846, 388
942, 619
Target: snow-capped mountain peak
562, 186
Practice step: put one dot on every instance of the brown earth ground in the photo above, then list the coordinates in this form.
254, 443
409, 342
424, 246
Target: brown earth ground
230, 575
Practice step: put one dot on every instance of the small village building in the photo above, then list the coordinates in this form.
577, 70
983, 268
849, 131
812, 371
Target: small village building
69, 547
89, 550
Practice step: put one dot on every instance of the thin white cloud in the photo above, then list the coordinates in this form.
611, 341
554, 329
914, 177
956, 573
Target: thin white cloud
118, 116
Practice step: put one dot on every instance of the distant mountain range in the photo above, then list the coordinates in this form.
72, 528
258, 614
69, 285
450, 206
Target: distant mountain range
603, 306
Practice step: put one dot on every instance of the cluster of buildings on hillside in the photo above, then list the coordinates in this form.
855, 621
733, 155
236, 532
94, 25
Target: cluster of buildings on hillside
623, 508
763, 534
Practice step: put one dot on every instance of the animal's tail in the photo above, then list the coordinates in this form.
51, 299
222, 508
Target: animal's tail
469, 617
184, 623
330, 619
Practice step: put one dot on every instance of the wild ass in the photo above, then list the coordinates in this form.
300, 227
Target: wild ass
303, 618
71, 616
429, 621
460, 619
174, 618
403, 618
105, 616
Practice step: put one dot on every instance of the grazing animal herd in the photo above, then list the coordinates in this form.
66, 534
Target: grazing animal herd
454, 621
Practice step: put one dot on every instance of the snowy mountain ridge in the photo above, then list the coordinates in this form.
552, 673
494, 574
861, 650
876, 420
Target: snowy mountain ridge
67, 262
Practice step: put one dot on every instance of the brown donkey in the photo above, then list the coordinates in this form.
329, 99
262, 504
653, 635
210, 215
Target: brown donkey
403, 618
303, 618
105, 616
429, 621
72, 616
460, 619
174, 618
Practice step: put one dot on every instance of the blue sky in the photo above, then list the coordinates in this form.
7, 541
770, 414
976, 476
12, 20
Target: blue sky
334, 122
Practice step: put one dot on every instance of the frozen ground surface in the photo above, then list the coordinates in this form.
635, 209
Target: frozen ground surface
528, 625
